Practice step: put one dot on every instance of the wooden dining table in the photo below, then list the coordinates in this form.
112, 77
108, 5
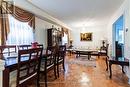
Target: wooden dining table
11, 65
117, 61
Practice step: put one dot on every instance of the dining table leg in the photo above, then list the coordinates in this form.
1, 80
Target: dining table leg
110, 65
6, 77
89, 56
106, 64
123, 69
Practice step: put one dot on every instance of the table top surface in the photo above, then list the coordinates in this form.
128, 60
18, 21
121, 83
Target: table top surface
120, 59
13, 60
86, 50
10, 61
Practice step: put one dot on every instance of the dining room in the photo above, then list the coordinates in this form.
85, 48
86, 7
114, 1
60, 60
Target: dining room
62, 44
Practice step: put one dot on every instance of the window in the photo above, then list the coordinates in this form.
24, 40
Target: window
64, 39
20, 32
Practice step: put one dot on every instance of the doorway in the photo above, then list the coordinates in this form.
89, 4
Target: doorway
118, 37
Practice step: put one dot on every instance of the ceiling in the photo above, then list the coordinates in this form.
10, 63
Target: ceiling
76, 13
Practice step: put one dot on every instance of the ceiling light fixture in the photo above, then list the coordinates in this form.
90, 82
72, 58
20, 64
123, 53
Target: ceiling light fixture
83, 29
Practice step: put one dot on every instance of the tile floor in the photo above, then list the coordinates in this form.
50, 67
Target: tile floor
82, 76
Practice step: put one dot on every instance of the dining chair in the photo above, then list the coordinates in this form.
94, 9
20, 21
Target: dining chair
23, 47
40, 45
28, 67
104, 52
8, 51
1, 51
48, 62
61, 57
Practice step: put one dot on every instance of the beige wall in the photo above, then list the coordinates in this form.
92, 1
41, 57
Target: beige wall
98, 32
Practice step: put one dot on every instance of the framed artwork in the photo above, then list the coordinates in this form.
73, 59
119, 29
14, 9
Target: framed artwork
86, 36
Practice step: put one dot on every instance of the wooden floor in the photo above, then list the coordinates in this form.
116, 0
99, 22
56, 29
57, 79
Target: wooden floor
82, 76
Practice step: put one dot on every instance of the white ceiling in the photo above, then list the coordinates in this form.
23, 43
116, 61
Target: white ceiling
76, 13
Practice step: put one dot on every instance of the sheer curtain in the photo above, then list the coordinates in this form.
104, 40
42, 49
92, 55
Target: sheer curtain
20, 32
65, 39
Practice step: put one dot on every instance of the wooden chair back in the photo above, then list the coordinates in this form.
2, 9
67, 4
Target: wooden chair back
104, 50
50, 53
61, 57
40, 45
48, 62
62, 50
7, 50
23, 47
28, 66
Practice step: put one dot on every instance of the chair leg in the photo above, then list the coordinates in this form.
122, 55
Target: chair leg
106, 64
45, 78
38, 79
58, 69
63, 64
38, 85
123, 69
55, 71
98, 56
38, 74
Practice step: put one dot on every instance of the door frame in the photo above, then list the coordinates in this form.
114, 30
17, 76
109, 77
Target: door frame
114, 34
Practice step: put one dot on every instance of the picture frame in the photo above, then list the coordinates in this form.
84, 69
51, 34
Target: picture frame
86, 36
